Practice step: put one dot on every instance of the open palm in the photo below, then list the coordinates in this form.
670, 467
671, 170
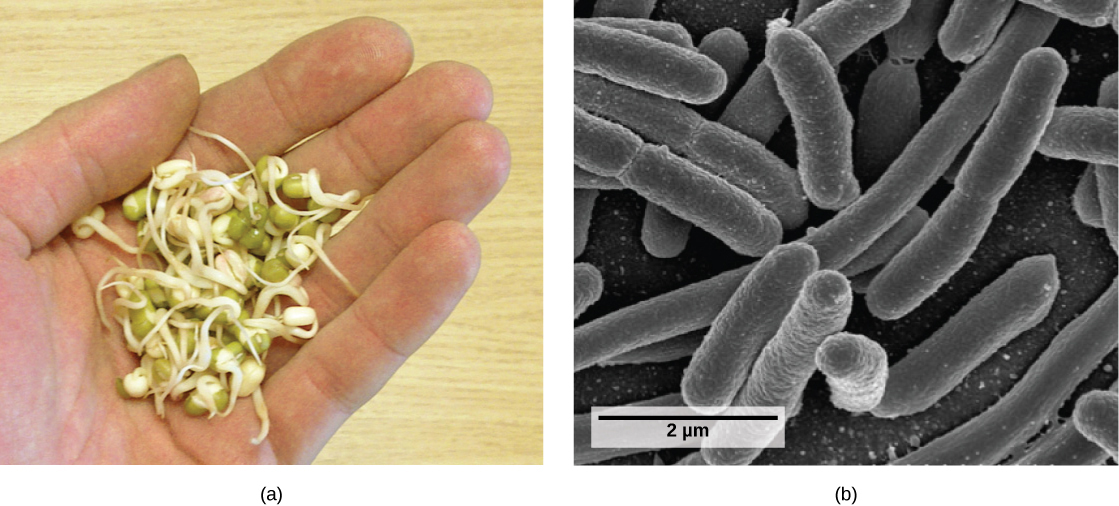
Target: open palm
420, 142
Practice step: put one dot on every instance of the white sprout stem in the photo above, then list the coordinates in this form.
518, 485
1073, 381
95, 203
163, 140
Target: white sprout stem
227, 143
234, 386
262, 413
169, 341
105, 232
346, 201
316, 247
306, 333
268, 294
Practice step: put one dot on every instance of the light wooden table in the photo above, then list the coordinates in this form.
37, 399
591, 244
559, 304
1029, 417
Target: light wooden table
474, 393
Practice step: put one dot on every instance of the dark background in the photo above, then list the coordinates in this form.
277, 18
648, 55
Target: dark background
1035, 218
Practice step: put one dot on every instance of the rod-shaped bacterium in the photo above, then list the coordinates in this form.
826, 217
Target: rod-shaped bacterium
787, 360
810, 89
1082, 12
912, 37
588, 287
647, 63
1033, 401
1012, 304
708, 201
971, 27
740, 160
668, 350
1062, 446
1096, 416
934, 147
602, 147
729, 49
655, 319
856, 368
746, 323
672, 33
702, 198
1000, 155
1109, 92
1086, 199
889, 117
806, 8
839, 28
663, 233
888, 244
585, 180
1090, 134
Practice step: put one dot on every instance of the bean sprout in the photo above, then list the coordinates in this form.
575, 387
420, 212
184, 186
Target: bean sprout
204, 311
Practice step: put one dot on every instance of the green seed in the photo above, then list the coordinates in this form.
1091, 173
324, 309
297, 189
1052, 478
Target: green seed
274, 270
221, 399
295, 186
178, 296
194, 406
134, 205
258, 338
135, 296
261, 166
229, 335
264, 246
236, 349
330, 217
161, 370
308, 229
149, 245
281, 218
203, 312
158, 297
247, 216
237, 225
232, 294
142, 320
252, 238
253, 264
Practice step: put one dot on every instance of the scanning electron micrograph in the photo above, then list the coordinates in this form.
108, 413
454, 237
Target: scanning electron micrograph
896, 219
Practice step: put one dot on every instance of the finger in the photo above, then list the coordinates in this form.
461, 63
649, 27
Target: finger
309, 85
453, 180
351, 359
93, 150
366, 149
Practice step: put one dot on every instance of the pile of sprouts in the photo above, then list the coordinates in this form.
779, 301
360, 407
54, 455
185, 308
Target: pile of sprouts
220, 260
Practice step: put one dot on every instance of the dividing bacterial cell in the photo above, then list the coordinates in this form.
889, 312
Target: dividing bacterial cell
894, 219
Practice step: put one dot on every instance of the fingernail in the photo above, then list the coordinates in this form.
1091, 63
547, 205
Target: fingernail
159, 62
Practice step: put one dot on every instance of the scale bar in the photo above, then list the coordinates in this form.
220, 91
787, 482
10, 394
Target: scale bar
688, 417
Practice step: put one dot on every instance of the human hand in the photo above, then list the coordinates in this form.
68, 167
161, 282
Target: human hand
419, 142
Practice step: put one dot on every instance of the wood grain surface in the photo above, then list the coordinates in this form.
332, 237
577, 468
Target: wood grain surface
474, 393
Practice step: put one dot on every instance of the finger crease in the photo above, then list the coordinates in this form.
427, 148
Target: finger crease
367, 321
274, 96
358, 156
335, 396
